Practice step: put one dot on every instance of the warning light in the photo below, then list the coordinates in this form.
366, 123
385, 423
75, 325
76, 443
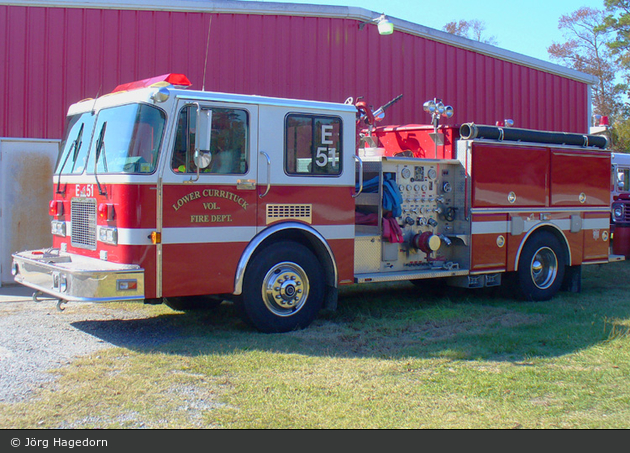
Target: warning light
177, 80
156, 238
106, 211
55, 208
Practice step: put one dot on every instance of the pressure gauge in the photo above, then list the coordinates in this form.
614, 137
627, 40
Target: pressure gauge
405, 173
432, 174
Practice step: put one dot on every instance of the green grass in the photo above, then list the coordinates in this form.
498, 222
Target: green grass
391, 356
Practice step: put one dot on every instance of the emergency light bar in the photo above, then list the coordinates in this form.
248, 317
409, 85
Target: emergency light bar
177, 80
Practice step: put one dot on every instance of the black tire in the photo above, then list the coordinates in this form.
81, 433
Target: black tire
191, 303
283, 289
541, 267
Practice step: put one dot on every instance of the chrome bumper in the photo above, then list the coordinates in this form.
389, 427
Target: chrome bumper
73, 277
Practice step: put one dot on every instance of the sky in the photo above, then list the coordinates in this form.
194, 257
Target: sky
527, 27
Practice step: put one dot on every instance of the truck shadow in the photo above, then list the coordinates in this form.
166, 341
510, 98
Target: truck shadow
403, 320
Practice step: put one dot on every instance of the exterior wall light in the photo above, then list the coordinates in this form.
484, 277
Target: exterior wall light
385, 27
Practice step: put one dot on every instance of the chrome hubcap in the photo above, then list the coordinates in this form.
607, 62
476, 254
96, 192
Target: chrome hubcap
544, 268
285, 289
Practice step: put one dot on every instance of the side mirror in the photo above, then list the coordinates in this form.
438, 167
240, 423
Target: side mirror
202, 156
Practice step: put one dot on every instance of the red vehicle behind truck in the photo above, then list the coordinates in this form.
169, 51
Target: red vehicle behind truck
620, 208
165, 194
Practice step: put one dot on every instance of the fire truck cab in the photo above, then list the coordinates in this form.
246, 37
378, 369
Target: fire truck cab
164, 194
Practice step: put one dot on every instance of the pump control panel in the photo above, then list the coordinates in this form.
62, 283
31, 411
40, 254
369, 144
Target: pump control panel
431, 214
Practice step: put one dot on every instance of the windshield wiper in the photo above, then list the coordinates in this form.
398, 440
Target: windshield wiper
74, 148
100, 144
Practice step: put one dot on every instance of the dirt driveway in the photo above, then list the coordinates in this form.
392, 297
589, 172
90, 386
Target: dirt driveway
36, 337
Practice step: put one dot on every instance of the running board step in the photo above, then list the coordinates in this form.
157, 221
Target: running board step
401, 276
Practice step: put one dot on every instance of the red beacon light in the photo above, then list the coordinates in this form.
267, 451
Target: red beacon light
505, 123
176, 80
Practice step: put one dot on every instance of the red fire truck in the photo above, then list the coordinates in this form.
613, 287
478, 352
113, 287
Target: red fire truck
165, 194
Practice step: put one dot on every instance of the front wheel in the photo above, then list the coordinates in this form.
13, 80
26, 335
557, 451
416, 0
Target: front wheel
283, 289
541, 267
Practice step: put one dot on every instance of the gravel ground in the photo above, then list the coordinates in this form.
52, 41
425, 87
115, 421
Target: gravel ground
37, 337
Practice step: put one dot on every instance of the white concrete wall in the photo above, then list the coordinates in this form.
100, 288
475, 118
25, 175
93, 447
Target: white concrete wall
26, 187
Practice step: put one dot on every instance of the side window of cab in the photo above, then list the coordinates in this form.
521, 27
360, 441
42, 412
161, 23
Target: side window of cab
312, 145
229, 142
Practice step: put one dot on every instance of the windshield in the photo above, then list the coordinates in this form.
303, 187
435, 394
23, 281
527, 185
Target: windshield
127, 139
74, 146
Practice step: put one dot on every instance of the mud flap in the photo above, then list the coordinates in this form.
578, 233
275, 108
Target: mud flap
572, 279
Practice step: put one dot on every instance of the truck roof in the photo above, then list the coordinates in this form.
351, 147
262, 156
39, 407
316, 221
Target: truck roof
144, 95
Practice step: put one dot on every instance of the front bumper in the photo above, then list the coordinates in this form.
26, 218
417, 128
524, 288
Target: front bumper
73, 277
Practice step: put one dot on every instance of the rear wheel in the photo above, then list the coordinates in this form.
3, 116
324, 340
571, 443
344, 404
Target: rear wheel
283, 289
541, 267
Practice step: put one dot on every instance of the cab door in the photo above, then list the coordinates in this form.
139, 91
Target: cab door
208, 215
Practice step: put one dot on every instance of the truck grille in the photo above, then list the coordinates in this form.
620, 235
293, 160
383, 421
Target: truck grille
84, 223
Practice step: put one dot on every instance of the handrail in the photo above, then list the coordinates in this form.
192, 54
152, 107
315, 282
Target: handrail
268, 174
358, 159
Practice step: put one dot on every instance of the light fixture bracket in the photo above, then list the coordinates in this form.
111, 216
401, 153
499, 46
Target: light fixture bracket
385, 27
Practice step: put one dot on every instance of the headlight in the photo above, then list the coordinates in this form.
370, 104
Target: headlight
618, 212
108, 235
58, 228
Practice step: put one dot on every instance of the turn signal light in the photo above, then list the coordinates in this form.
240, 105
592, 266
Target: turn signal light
106, 211
55, 208
126, 285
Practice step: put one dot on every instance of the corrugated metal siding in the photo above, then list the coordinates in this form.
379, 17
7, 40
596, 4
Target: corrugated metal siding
56, 56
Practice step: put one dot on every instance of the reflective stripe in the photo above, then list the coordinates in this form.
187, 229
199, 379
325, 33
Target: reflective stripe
126, 236
503, 227
489, 227
217, 235
594, 224
205, 235
134, 236
331, 232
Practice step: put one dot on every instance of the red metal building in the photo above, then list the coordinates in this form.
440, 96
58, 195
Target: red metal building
57, 52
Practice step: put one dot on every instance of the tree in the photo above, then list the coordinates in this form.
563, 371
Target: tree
620, 135
618, 22
471, 29
586, 50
